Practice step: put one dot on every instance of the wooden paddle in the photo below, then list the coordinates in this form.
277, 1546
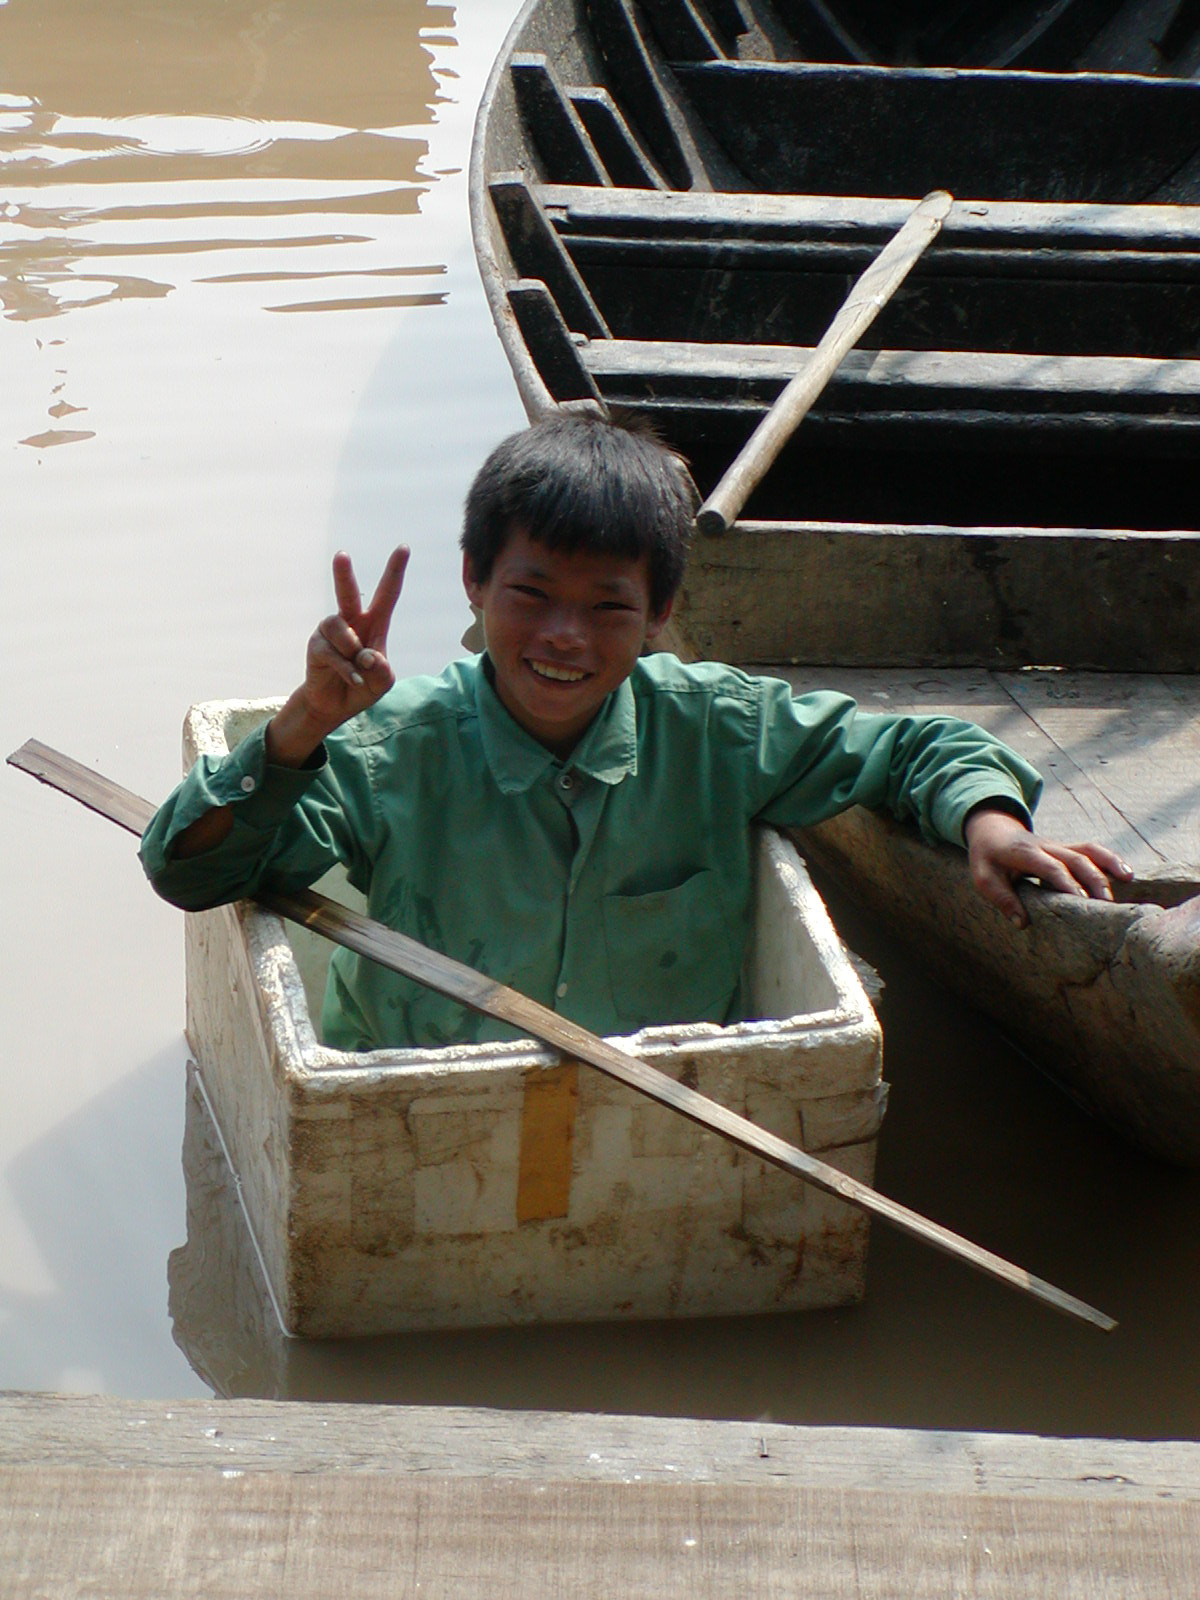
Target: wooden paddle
860, 308
470, 988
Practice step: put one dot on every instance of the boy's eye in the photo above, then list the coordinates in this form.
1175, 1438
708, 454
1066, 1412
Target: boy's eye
529, 589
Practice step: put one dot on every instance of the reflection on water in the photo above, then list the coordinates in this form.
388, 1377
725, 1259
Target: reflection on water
223, 1312
129, 185
183, 445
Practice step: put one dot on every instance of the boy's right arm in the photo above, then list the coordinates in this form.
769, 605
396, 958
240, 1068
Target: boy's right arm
346, 671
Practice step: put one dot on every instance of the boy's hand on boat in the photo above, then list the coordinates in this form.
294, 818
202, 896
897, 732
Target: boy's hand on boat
347, 668
1002, 850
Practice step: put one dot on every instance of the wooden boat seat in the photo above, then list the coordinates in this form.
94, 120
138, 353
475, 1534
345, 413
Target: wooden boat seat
799, 126
979, 388
954, 437
1007, 276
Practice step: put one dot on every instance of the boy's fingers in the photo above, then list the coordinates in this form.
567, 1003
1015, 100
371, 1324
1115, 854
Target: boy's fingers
323, 655
377, 670
340, 637
996, 888
1079, 869
1085, 871
345, 586
1053, 873
1107, 860
387, 592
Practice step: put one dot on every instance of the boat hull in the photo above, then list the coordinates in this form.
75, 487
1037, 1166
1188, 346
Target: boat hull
1106, 998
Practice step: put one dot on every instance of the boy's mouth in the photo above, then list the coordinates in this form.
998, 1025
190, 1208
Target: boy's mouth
556, 673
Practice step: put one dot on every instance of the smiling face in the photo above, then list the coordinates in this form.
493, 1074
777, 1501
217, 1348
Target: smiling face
563, 629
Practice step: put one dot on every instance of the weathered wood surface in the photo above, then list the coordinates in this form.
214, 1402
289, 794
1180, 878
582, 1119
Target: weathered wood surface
953, 438
1033, 278
863, 594
1120, 754
1070, 389
78, 1431
1105, 997
1112, 35
798, 127
221, 1499
145, 1533
857, 226
1049, 38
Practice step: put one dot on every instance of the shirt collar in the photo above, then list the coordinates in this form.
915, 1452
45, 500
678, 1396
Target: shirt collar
607, 751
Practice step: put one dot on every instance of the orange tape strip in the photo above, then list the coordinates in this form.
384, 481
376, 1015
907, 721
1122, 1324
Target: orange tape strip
547, 1141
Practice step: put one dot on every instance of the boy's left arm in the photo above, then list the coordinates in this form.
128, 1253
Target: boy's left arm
1001, 850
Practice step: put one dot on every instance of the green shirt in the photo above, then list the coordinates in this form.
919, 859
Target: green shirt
614, 886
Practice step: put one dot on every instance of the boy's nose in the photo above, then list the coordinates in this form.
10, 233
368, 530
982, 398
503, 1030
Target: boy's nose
565, 628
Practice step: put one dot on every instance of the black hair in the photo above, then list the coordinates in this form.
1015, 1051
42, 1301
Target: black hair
580, 481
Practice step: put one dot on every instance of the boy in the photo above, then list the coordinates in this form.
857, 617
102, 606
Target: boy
565, 813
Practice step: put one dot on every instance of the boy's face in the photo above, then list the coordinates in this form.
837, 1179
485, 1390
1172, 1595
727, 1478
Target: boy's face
563, 629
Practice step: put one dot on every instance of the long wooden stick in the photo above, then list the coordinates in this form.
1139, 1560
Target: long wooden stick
470, 988
862, 305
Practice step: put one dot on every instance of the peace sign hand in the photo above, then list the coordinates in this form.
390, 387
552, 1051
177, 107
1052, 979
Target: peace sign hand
347, 668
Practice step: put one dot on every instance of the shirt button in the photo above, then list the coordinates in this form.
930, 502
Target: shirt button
566, 781
561, 990
248, 784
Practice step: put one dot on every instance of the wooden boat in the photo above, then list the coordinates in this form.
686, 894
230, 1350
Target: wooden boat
488, 1184
992, 509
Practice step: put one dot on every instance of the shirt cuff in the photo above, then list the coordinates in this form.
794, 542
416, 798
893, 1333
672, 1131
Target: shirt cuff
260, 793
999, 802
1012, 805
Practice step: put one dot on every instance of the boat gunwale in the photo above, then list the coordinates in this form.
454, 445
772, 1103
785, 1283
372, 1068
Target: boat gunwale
486, 233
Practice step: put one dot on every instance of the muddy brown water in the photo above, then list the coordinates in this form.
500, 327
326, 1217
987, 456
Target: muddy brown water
241, 329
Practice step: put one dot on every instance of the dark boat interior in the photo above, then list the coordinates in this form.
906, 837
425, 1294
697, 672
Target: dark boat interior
686, 190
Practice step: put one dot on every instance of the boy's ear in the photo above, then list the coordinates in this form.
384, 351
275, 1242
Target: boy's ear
470, 583
656, 624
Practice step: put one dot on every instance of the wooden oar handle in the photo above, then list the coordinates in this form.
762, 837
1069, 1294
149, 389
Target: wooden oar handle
862, 305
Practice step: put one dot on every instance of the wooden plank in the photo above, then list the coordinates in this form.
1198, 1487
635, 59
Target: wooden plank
259, 1436
397, 951
1138, 740
954, 438
549, 341
682, 31
634, 78
1090, 136
183, 1533
1069, 389
612, 138
562, 141
1053, 41
860, 594
537, 253
714, 290
1046, 288
1004, 227
1049, 37
1074, 805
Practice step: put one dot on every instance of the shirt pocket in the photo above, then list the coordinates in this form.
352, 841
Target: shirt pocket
671, 953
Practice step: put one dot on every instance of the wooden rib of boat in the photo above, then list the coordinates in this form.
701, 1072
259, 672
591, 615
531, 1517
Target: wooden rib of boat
992, 509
